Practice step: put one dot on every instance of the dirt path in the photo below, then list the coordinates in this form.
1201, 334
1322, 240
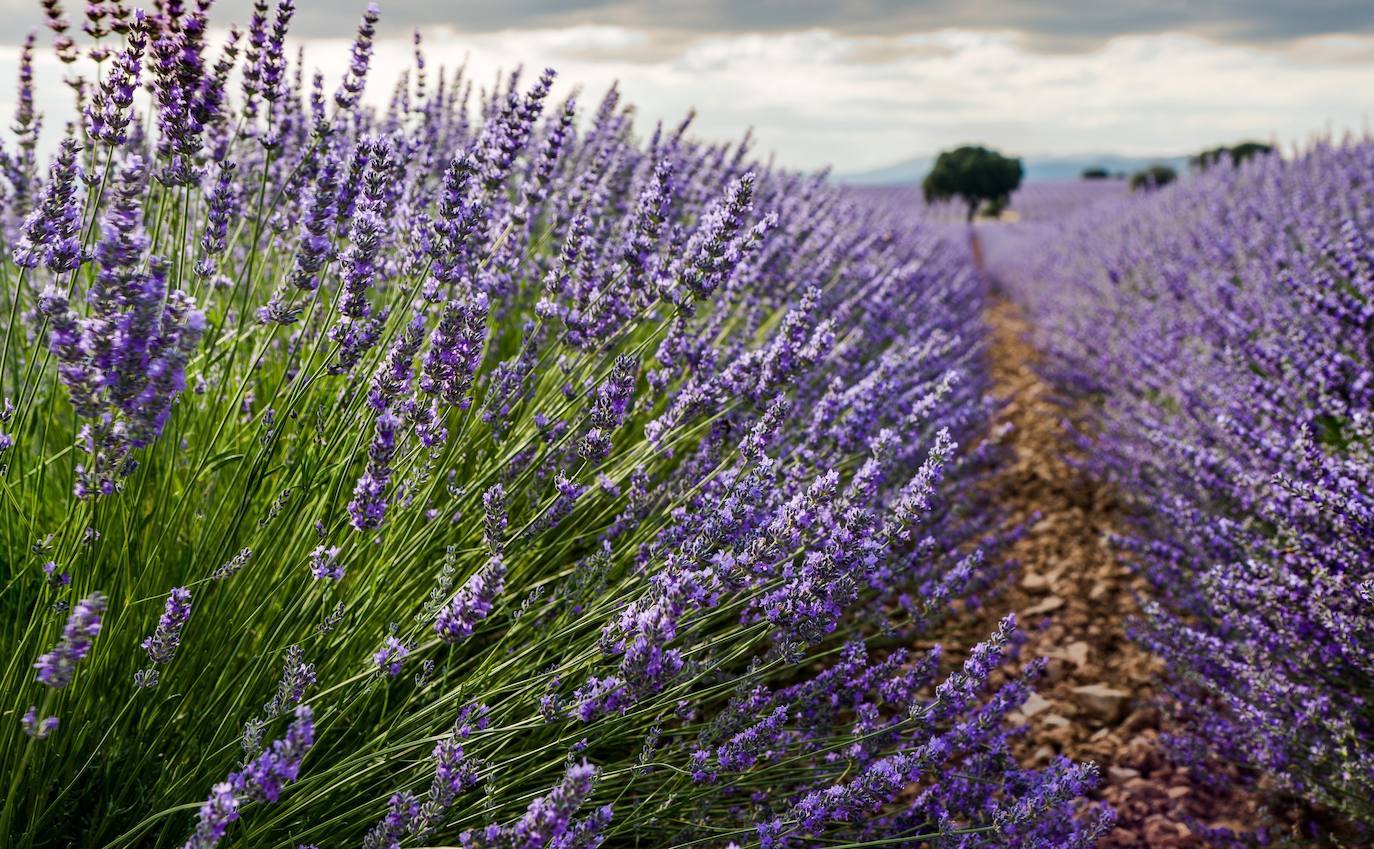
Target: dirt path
1073, 600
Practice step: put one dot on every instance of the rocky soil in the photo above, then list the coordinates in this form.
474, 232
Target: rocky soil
1073, 599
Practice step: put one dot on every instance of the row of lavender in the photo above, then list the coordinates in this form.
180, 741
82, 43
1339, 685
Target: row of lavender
1226, 328
469, 471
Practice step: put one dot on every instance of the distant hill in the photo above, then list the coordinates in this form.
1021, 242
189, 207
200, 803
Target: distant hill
1039, 169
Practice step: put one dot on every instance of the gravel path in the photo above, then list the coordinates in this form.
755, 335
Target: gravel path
1074, 598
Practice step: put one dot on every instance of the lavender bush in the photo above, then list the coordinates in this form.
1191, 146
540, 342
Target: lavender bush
469, 471
1225, 328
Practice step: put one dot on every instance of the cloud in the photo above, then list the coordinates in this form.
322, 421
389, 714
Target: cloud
856, 100
1048, 25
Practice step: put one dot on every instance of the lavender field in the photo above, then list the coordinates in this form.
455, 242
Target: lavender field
441, 460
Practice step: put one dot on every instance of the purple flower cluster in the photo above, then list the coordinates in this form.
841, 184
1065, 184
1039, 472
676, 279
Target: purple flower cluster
55, 668
391, 656
551, 819
124, 361
472, 603
368, 506
164, 641
1225, 322
454, 775
261, 779
697, 441
51, 232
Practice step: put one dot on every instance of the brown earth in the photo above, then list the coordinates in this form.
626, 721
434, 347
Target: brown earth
1073, 598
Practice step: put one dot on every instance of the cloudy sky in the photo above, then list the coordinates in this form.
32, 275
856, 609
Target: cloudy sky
859, 84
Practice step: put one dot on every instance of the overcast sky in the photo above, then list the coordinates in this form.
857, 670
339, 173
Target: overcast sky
862, 83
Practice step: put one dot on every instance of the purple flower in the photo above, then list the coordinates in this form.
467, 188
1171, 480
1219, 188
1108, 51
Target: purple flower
368, 506
221, 205
454, 774
36, 728
455, 351
162, 645
494, 519
708, 260
261, 779
356, 78
368, 229
392, 380
324, 563
370, 225
296, 677
472, 603
402, 810
391, 655
460, 216
55, 668
272, 60
107, 115
219, 811
316, 227
233, 565
51, 235
550, 817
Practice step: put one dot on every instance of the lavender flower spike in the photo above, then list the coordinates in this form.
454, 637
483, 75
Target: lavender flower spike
261, 779
368, 506
56, 667
472, 603
549, 817
356, 78
51, 234
165, 640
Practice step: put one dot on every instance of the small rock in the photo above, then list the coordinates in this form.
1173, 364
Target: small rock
1104, 703
1160, 832
1178, 792
1035, 703
1122, 773
1054, 720
1077, 653
1051, 603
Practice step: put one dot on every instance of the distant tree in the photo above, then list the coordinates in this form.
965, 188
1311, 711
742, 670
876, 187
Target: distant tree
1153, 177
975, 175
1096, 173
1237, 153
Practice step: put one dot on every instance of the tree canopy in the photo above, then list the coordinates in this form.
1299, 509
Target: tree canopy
1237, 153
974, 174
1153, 177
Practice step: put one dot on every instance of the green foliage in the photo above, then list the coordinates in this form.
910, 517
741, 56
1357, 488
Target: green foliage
1237, 153
1096, 173
975, 175
1154, 177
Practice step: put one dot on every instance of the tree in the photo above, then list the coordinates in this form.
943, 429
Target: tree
1153, 177
1237, 153
1095, 173
975, 175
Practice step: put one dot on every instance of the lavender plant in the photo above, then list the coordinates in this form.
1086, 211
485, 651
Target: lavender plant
456, 472
1223, 326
